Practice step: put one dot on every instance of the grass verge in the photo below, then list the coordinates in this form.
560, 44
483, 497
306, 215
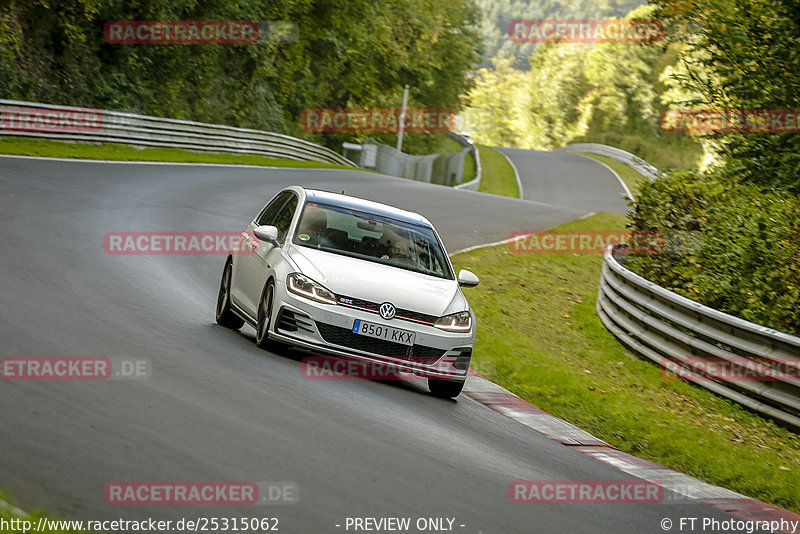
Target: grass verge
539, 336
666, 152
497, 176
13, 521
449, 146
22, 146
469, 168
632, 179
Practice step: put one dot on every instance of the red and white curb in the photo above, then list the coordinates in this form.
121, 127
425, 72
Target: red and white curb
501, 400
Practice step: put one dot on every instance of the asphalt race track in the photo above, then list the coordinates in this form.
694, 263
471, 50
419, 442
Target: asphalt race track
563, 179
216, 408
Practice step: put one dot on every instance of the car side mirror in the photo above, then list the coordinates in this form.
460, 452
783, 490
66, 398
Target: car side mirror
266, 233
467, 278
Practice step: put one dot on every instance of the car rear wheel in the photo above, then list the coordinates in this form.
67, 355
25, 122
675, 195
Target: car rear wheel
448, 389
225, 316
265, 320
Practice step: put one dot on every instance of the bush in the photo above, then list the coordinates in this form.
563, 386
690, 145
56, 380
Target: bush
746, 260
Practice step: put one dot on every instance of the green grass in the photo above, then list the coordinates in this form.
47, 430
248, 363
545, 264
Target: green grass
631, 178
119, 152
539, 336
469, 169
497, 176
8, 515
449, 146
665, 152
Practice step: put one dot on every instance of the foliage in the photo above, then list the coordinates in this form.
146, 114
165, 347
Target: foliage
497, 14
743, 54
348, 53
745, 256
558, 109
495, 113
607, 93
744, 203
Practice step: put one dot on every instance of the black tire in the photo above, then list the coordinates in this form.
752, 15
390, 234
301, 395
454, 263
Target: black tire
447, 389
265, 320
225, 316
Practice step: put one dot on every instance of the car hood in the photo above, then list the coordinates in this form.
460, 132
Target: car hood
378, 283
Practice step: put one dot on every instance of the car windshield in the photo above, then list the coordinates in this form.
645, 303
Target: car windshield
372, 237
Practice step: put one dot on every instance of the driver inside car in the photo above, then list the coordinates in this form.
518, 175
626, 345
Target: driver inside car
314, 228
395, 246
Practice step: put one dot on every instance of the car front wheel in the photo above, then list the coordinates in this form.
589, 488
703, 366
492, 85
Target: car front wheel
225, 316
265, 319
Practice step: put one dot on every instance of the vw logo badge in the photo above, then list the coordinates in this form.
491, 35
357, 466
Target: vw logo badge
386, 310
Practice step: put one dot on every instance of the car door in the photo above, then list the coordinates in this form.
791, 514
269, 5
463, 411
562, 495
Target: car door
253, 268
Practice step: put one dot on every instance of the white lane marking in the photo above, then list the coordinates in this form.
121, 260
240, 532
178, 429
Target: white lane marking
612, 171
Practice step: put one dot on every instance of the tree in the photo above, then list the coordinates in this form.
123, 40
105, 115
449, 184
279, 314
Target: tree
743, 55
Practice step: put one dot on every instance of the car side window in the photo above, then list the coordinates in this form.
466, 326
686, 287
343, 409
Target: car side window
284, 217
270, 213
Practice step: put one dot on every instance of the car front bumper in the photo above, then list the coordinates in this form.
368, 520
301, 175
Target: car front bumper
327, 329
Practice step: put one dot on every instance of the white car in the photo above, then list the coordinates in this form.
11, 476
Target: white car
349, 277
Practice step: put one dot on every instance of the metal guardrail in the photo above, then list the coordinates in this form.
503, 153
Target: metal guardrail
147, 131
676, 332
475, 183
635, 162
393, 162
442, 169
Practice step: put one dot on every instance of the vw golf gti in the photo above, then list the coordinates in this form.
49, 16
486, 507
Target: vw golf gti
344, 276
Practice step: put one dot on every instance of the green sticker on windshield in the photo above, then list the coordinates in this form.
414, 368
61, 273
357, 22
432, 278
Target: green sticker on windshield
304, 237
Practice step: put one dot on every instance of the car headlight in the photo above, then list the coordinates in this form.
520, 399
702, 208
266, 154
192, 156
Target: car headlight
306, 287
455, 322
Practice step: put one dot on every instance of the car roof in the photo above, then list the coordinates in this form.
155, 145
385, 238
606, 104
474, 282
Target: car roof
360, 204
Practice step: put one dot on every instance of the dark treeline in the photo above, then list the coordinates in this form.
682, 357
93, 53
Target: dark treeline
347, 53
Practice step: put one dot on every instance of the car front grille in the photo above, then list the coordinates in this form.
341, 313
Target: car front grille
374, 306
415, 316
346, 338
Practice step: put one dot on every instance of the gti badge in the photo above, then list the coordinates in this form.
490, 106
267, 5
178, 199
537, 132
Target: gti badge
386, 310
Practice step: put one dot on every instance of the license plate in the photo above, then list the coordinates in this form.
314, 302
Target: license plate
380, 331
